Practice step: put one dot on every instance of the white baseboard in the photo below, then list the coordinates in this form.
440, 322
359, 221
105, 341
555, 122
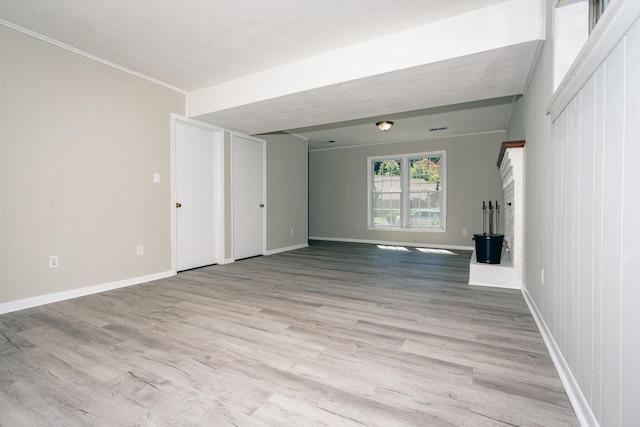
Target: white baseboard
390, 243
578, 401
288, 248
22, 304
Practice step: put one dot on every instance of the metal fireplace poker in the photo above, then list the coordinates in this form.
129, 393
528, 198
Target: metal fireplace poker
489, 244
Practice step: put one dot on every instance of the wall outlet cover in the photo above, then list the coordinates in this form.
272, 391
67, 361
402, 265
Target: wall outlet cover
53, 261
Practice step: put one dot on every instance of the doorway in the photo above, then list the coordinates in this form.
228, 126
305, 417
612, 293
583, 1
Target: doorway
198, 177
249, 209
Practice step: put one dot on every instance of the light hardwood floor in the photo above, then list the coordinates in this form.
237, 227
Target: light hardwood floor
335, 334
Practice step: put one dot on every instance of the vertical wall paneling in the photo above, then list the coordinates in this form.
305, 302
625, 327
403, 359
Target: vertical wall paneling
86, 167
572, 221
131, 159
598, 209
612, 233
42, 170
630, 279
581, 170
156, 159
20, 148
585, 231
61, 166
79, 143
110, 184
558, 278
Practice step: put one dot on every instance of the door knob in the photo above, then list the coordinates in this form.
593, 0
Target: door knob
262, 205
178, 205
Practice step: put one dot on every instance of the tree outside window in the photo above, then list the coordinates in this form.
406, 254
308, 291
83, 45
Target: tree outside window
406, 192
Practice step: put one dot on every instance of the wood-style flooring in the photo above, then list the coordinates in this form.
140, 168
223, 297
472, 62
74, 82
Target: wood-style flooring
334, 334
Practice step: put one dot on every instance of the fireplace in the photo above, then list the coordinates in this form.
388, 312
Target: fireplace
507, 274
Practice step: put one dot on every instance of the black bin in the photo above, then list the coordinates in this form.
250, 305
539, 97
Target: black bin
488, 247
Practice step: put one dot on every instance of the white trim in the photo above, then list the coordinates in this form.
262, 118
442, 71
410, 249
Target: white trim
299, 136
287, 249
578, 401
89, 56
393, 243
616, 20
80, 292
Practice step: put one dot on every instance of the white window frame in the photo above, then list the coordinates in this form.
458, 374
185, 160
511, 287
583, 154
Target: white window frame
405, 193
616, 20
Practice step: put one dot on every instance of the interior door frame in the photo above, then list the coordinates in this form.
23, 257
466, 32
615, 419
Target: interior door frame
218, 190
264, 187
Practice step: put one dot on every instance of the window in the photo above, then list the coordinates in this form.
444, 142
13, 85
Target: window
407, 192
574, 21
596, 9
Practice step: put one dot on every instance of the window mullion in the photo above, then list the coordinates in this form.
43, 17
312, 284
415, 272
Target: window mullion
405, 197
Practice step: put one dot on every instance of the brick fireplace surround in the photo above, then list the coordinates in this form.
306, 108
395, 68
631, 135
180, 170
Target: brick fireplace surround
507, 274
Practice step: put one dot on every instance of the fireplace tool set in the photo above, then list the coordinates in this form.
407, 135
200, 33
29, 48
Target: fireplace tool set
489, 243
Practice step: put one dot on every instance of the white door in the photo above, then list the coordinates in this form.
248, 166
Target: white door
197, 150
248, 196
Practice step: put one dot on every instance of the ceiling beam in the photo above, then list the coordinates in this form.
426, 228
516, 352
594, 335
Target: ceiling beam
505, 24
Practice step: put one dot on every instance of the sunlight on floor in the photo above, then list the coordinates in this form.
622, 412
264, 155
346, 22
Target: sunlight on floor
393, 248
423, 250
436, 251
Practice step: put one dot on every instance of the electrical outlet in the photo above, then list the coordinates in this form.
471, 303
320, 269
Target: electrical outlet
292, 230
53, 261
464, 231
156, 178
542, 275
357, 227
140, 250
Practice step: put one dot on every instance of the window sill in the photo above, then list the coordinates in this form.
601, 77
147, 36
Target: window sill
409, 230
616, 20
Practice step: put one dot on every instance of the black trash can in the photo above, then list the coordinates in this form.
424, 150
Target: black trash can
488, 247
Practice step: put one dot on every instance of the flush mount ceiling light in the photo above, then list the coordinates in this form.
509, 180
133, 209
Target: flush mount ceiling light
384, 125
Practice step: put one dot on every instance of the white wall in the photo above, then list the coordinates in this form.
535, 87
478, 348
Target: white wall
582, 226
79, 143
338, 189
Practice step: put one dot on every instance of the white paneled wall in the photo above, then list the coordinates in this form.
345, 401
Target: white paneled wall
79, 143
630, 274
582, 227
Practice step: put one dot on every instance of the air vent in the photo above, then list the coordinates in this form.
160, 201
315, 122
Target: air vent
438, 129
331, 141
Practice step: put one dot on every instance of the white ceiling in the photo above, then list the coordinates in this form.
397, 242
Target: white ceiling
195, 44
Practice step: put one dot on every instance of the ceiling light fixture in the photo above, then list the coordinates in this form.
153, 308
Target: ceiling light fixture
384, 125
